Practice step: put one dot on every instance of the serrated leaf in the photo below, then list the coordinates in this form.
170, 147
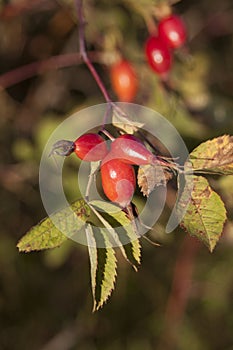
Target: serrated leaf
132, 252
46, 235
103, 269
214, 156
121, 121
92, 250
205, 215
125, 237
151, 176
184, 190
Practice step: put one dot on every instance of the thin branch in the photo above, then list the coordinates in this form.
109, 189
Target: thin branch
91, 179
22, 73
82, 47
107, 114
27, 71
83, 52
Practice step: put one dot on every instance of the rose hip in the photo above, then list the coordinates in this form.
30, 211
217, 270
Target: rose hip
129, 149
118, 181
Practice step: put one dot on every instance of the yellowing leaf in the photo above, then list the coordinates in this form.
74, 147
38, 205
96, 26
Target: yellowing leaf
184, 190
92, 250
121, 121
103, 268
46, 235
152, 175
132, 252
205, 215
120, 231
214, 156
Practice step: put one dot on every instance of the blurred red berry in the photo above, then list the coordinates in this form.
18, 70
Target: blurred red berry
172, 31
158, 55
124, 81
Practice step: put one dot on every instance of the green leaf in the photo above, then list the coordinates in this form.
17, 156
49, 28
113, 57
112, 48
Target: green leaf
205, 215
214, 156
103, 268
132, 253
46, 235
92, 250
125, 238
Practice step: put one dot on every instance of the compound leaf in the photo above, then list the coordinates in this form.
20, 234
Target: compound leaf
46, 234
120, 230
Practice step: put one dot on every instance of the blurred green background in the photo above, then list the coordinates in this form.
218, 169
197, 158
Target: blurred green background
182, 296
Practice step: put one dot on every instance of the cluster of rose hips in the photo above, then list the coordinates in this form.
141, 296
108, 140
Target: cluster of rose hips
158, 48
117, 171
171, 34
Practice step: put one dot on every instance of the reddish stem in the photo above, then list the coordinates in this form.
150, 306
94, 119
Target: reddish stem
83, 52
25, 72
29, 70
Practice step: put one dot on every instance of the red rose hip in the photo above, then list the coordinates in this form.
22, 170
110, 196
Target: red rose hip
118, 181
158, 55
90, 147
129, 149
172, 31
